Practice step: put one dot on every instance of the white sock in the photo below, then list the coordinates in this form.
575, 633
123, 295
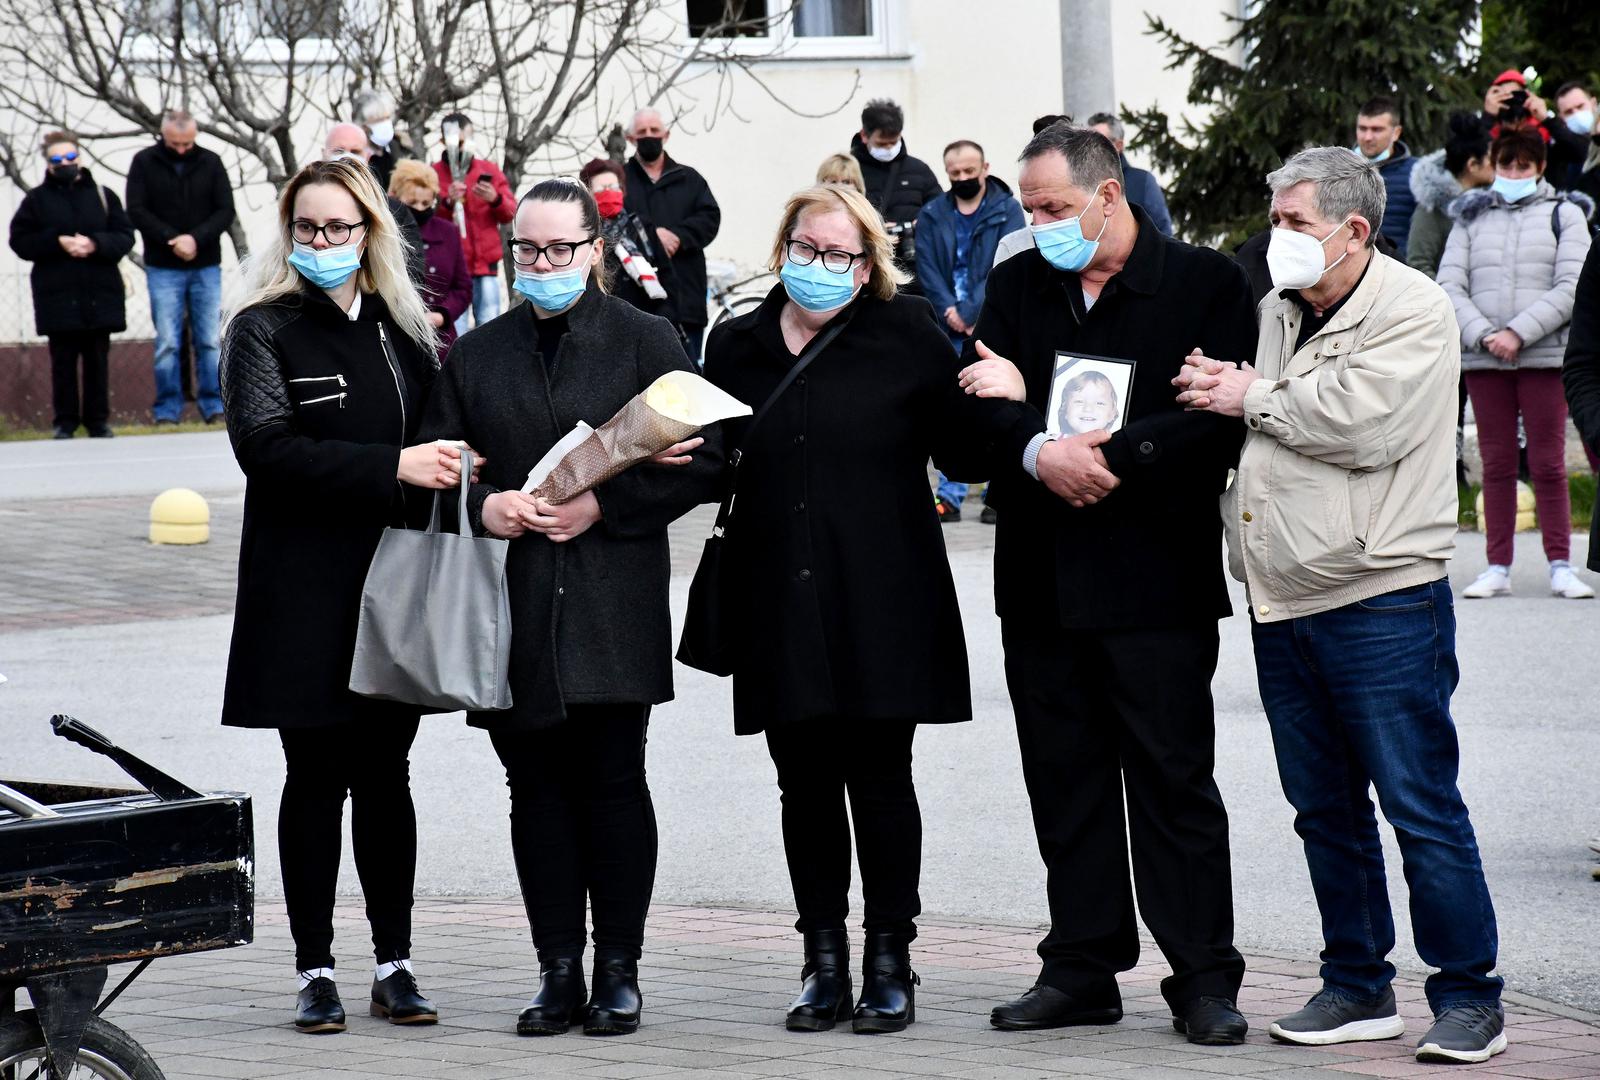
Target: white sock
314, 973
383, 971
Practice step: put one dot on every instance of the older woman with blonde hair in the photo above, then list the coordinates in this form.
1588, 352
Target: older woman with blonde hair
446, 284
842, 169
326, 366
845, 597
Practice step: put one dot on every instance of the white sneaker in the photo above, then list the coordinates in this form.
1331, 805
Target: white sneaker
1495, 581
1565, 583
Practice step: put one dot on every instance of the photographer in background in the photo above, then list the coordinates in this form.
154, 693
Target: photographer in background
897, 184
1510, 104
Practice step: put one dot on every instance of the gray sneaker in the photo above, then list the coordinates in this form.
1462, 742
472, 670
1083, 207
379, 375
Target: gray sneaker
1465, 1034
1335, 1017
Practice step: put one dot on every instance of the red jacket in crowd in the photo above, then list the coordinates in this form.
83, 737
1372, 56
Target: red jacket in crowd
482, 242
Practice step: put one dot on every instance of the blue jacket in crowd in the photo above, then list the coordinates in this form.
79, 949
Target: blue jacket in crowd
1145, 193
1401, 203
996, 215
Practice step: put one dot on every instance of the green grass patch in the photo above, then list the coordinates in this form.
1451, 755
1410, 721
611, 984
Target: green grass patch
9, 432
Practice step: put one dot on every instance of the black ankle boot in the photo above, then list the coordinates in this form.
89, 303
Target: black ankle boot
888, 985
559, 1002
614, 1003
825, 983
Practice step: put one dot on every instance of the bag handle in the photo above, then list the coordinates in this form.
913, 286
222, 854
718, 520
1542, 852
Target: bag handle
811, 352
461, 505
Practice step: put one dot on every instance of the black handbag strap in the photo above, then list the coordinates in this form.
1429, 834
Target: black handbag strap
811, 352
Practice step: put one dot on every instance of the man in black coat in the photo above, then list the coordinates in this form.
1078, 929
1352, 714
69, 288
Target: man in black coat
1581, 373
1109, 585
677, 206
179, 198
75, 233
897, 184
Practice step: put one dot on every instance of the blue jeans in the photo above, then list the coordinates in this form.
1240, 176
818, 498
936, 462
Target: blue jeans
951, 491
1358, 697
485, 303
176, 295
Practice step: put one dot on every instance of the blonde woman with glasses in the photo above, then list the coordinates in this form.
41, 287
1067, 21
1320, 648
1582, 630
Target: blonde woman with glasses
848, 607
326, 367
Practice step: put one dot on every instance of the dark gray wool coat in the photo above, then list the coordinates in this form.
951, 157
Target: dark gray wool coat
589, 618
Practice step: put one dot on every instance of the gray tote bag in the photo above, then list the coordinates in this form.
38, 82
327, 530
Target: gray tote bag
435, 624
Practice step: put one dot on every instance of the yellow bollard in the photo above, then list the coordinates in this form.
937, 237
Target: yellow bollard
1526, 520
179, 516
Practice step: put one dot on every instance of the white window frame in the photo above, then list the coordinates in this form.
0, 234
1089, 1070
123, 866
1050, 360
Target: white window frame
783, 44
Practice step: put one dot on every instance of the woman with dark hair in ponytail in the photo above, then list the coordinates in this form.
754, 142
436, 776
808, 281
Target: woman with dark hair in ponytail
591, 634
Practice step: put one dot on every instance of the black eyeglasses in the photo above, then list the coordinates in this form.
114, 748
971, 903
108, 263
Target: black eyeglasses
337, 233
559, 254
833, 260
63, 159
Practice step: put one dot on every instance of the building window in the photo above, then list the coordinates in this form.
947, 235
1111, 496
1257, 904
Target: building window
833, 18
728, 18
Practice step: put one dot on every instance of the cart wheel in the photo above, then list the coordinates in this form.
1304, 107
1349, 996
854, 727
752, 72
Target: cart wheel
108, 1052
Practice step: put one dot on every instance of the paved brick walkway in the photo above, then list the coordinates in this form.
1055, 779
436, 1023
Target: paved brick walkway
716, 983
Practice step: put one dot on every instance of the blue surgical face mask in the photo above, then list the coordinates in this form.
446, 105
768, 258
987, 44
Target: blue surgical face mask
328, 268
1582, 122
554, 291
816, 288
1362, 154
1062, 242
1514, 190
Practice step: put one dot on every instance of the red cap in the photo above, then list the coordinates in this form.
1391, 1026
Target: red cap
1509, 75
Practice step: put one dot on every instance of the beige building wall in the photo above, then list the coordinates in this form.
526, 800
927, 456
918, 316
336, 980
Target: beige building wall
960, 69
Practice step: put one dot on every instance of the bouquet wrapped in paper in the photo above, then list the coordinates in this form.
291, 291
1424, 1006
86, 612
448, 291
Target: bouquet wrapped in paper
670, 410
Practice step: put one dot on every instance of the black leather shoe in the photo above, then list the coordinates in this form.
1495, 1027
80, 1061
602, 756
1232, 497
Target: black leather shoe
1047, 1007
101, 431
825, 984
318, 1010
614, 1002
397, 1000
559, 1003
888, 999
64, 433
1211, 1021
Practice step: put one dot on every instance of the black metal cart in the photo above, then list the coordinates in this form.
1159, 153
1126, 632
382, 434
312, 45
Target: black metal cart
92, 876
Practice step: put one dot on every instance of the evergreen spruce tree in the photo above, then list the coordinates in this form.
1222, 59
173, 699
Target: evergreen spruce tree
1310, 64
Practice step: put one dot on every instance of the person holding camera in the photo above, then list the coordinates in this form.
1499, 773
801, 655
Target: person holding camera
897, 184
474, 191
1509, 103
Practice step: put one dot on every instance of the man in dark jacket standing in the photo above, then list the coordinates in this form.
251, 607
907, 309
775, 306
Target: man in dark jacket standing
1580, 373
1109, 585
957, 236
898, 185
1144, 190
677, 206
180, 201
1378, 140
75, 233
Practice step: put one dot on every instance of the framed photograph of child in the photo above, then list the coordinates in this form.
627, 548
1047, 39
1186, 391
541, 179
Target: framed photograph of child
1089, 393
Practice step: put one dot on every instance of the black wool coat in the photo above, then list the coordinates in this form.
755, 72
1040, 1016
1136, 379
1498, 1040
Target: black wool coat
73, 295
589, 617
834, 550
318, 409
169, 196
1581, 372
681, 201
1150, 553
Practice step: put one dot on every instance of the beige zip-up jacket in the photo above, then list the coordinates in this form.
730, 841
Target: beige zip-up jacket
1346, 484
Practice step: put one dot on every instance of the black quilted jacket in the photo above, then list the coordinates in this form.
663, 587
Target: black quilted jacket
318, 408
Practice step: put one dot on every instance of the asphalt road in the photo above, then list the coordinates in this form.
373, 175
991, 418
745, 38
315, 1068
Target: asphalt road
1526, 712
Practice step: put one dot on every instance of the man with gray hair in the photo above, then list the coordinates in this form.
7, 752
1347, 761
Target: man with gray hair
1340, 522
1109, 588
1144, 191
375, 113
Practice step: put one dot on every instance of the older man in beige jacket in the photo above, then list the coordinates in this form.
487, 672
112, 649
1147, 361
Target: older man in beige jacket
1340, 522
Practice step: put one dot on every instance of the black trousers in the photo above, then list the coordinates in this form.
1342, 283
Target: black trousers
94, 346
1103, 712
818, 764
370, 763
583, 828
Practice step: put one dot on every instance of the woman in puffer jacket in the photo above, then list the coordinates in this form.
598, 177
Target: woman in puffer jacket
1511, 268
